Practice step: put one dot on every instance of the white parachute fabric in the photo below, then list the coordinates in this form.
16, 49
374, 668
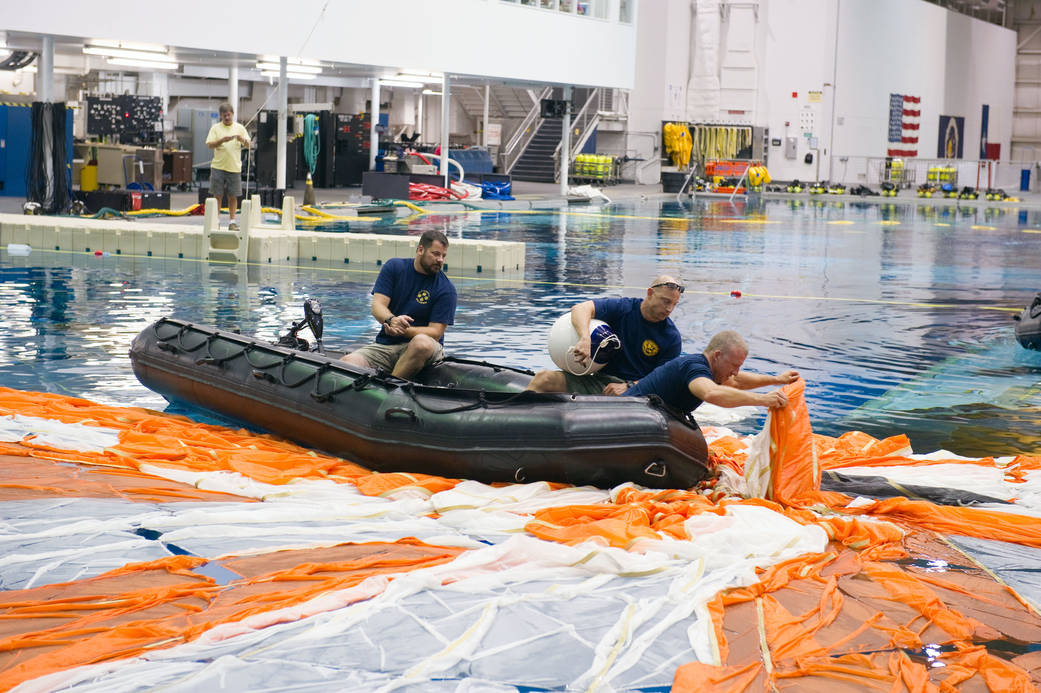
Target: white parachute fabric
512, 610
14, 428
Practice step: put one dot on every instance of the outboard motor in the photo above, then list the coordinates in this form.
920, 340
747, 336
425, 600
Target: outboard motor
313, 320
313, 316
1028, 325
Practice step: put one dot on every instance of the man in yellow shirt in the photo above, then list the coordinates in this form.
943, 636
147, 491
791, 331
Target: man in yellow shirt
226, 139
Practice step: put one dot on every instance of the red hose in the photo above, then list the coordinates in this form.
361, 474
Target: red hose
424, 191
420, 156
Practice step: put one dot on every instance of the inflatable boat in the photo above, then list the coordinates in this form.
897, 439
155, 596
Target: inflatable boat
1028, 325
462, 419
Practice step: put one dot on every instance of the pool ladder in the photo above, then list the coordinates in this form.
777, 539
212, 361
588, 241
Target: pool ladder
229, 245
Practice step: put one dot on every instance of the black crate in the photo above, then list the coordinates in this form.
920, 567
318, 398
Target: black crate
152, 199
96, 200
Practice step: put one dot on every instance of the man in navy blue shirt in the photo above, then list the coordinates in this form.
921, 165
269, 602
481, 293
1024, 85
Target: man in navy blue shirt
414, 302
713, 376
649, 338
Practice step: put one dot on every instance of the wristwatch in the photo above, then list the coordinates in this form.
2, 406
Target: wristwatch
387, 321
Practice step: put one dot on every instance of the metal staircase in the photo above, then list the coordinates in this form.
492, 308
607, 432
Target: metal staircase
537, 164
505, 103
531, 144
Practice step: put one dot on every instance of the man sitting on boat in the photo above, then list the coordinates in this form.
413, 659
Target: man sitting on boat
648, 337
713, 376
414, 301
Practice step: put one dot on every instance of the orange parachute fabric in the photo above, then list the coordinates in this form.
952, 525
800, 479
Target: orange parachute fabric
852, 620
176, 442
848, 616
140, 607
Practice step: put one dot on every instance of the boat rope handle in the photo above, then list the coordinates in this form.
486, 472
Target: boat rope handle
396, 412
482, 400
249, 349
656, 469
359, 384
281, 362
212, 360
613, 339
497, 367
411, 390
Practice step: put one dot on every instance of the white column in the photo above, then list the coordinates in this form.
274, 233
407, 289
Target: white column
161, 88
484, 123
420, 126
280, 138
45, 71
446, 105
374, 121
233, 88
565, 143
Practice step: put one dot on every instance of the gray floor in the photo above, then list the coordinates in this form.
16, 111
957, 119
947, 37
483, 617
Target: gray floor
548, 195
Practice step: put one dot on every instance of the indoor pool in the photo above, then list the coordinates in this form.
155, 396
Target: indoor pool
898, 316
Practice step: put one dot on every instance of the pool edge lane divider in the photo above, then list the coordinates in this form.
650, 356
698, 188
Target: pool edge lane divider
260, 243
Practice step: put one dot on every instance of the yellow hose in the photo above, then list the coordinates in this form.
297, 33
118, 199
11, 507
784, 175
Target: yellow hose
413, 207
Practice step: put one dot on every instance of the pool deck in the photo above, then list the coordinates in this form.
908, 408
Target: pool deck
547, 196
295, 235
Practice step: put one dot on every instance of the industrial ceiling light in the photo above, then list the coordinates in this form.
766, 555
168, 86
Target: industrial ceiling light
400, 83
289, 75
295, 69
423, 77
134, 62
135, 46
132, 54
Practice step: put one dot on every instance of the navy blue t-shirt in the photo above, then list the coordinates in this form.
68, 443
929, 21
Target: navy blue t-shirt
645, 345
425, 298
671, 381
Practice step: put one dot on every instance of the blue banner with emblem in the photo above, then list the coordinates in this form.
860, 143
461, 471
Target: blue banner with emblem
896, 116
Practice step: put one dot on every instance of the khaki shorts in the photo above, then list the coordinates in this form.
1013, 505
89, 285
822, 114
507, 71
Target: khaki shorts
592, 384
386, 356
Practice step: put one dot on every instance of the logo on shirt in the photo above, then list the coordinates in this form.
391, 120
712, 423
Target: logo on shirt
424, 297
650, 348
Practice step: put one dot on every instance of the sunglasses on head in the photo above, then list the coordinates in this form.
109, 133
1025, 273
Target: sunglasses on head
670, 285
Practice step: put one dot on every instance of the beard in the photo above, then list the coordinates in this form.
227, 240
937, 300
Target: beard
429, 264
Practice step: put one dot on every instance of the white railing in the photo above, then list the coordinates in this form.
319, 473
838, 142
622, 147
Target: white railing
585, 121
614, 103
872, 171
611, 10
525, 132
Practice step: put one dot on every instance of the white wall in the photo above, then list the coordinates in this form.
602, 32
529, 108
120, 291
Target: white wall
826, 69
20, 82
662, 72
953, 62
469, 37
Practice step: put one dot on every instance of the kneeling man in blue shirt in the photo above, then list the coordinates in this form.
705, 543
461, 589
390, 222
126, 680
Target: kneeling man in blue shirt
713, 376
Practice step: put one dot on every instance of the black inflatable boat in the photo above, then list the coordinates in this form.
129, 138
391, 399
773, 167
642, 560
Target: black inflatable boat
1028, 325
463, 419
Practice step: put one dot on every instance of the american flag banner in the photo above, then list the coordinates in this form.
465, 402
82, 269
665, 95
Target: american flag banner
905, 116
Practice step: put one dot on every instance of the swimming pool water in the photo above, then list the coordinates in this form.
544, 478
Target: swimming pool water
898, 316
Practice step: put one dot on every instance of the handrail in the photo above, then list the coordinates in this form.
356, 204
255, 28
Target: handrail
525, 132
586, 120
